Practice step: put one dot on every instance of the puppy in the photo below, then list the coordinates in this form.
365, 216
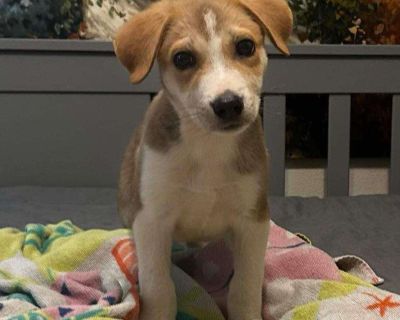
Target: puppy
196, 169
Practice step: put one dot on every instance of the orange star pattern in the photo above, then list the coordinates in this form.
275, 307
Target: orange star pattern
382, 304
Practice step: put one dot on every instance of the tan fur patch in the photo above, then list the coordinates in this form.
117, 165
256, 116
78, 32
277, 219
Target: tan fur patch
275, 16
162, 124
137, 42
251, 153
160, 130
251, 157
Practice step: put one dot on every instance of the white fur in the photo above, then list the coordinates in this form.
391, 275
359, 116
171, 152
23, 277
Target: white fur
208, 200
215, 42
194, 193
220, 77
196, 170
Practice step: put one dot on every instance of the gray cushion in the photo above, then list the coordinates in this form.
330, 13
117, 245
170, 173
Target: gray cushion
85, 207
368, 226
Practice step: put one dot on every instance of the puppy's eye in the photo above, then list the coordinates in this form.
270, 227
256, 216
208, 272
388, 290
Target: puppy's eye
184, 60
245, 48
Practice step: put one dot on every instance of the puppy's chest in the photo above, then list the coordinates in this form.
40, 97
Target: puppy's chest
202, 191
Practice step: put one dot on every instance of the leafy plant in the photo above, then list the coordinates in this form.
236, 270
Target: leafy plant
40, 18
114, 10
333, 21
387, 30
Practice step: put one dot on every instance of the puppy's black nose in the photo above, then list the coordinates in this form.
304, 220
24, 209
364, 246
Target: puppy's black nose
228, 106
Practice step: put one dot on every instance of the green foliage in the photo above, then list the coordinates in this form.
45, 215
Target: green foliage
331, 21
113, 10
40, 18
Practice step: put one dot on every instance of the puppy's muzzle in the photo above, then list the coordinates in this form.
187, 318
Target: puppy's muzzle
228, 108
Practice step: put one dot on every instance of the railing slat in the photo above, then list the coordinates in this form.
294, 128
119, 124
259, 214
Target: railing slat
337, 177
395, 150
275, 130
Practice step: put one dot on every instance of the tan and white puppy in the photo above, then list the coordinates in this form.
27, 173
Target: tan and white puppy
196, 169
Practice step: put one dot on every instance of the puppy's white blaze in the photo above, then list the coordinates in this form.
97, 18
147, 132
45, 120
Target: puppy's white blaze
215, 41
219, 78
211, 22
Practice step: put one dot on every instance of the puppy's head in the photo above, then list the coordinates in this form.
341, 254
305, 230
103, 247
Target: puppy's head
211, 54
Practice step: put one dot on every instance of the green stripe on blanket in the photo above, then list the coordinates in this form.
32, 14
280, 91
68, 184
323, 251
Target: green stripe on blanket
59, 271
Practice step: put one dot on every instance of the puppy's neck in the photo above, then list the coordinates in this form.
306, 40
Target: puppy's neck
176, 138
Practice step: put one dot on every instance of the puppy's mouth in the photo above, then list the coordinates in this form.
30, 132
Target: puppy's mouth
231, 126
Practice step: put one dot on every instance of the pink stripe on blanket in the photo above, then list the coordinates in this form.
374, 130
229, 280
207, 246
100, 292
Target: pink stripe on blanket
290, 257
79, 288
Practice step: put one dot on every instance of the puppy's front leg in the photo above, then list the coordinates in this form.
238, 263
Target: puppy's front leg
248, 242
153, 239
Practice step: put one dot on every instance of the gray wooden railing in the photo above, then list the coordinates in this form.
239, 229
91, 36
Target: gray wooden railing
51, 89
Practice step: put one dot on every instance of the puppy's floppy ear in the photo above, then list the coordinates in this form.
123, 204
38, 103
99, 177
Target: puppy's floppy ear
137, 42
275, 16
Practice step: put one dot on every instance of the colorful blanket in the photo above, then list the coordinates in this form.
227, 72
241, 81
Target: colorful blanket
62, 272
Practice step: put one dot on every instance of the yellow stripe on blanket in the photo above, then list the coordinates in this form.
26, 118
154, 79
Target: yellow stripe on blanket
52, 246
11, 242
60, 272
